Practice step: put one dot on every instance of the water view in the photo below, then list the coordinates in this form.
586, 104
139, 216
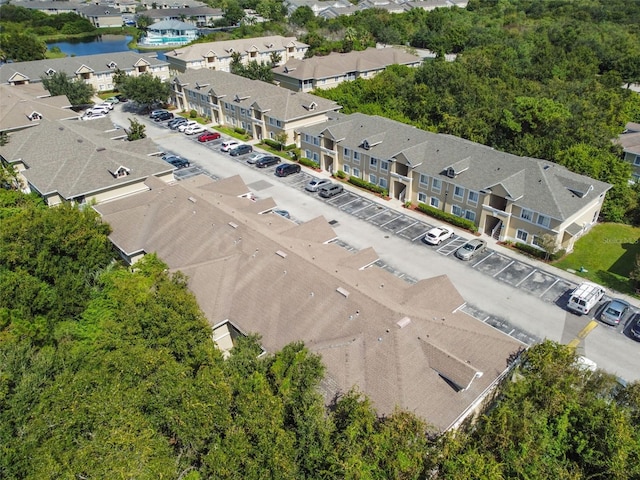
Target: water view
93, 46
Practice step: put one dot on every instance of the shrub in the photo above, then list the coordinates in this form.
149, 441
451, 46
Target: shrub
448, 217
193, 114
309, 163
291, 146
273, 144
240, 130
537, 253
372, 187
340, 174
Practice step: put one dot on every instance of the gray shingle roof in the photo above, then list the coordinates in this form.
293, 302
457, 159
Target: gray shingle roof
280, 103
98, 63
175, 25
535, 184
373, 336
77, 158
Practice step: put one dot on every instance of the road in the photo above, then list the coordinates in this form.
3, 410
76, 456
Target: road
491, 296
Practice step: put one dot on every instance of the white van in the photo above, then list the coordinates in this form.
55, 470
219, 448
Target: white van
585, 297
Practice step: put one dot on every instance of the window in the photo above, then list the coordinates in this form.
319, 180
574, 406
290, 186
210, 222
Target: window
346, 168
436, 185
526, 214
347, 152
544, 220
383, 182
356, 157
473, 198
522, 235
422, 197
316, 140
373, 163
636, 162
384, 166
457, 211
307, 138
307, 153
424, 179
356, 172
537, 241
373, 179
470, 215
434, 202
458, 192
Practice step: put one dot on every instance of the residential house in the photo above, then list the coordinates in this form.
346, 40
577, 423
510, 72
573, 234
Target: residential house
506, 196
262, 109
26, 105
304, 75
198, 16
82, 162
403, 345
318, 6
429, 5
629, 140
50, 7
102, 15
96, 70
218, 55
169, 32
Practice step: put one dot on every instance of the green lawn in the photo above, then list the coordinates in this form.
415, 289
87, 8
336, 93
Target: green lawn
608, 253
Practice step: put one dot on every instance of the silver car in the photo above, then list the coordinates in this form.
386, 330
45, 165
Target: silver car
315, 184
471, 249
255, 157
615, 311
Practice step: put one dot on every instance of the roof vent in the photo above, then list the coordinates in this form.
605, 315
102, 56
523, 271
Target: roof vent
192, 200
282, 254
100, 149
403, 322
233, 225
343, 292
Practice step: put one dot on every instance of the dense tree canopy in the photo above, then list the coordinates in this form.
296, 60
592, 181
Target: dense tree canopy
78, 92
144, 89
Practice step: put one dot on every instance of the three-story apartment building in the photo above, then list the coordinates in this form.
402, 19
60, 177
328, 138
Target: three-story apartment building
506, 196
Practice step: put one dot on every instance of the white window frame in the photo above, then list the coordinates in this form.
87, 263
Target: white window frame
373, 163
434, 202
459, 209
373, 179
424, 179
543, 221
522, 235
526, 214
436, 185
458, 196
356, 157
347, 153
346, 168
384, 166
470, 201
470, 215
383, 182
422, 197
356, 172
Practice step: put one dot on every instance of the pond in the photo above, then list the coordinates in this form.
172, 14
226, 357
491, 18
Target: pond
93, 45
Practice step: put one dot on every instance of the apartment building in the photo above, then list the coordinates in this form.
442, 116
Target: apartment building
262, 109
629, 140
506, 196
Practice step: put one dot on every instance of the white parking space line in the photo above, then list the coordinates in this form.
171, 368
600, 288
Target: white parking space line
349, 203
362, 208
392, 220
532, 272
375, 215
504, 268
486, 318
404, 228
419, 236
550, 287
478, 263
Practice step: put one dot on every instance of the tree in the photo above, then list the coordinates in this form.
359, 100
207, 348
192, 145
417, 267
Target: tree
233, 13
22, 47
275, 58
144, 89
78, 92
548, 243
136, 130
302, 16
143, 21
634, 274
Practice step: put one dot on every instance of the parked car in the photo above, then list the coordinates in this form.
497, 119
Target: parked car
93, 116
161, 117
267, 161
97, 110
437, 234
282, 213
315, 183
208, 136
176, 122
614, 311
328, 191
179, 162
228, 145
255, 157
240, 150
155, 113
287, 169
104, 105
635, 327
169, 157
189, 123
584, 297
193, 129
122, 98
113, 100
471, 249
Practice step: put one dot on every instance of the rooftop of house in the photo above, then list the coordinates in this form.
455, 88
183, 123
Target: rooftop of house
187, 12
629, 140
534, 184
226, 48
277, 102
99, 63
342, 63
403, 345
175, 25
76, 158
24, 106
91, 10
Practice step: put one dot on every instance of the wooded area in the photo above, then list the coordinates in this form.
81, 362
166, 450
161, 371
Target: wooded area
111, 372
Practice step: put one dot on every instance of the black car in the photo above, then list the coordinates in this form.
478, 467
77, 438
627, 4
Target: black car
287, 169
122, 98
241, 150
635, 327
176, 122
155, 113
179, 162
267, 161
161, 117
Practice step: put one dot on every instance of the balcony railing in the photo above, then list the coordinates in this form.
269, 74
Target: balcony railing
401, 177
495, 211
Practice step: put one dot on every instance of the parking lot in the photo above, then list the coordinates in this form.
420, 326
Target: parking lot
510, 270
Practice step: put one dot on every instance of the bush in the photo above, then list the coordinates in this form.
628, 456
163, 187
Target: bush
240, 130
537, 253
340, 174
372, 187
448, 217
291, 146
193, 114
273, 144
309, 163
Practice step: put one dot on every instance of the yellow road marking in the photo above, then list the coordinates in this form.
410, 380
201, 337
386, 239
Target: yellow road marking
583, 334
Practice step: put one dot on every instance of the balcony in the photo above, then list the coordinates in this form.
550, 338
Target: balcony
496, 212
402, 178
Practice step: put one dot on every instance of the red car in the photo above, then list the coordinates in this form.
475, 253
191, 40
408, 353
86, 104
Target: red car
208, 136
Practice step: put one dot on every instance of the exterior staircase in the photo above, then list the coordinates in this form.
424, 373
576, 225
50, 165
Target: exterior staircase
495, 233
